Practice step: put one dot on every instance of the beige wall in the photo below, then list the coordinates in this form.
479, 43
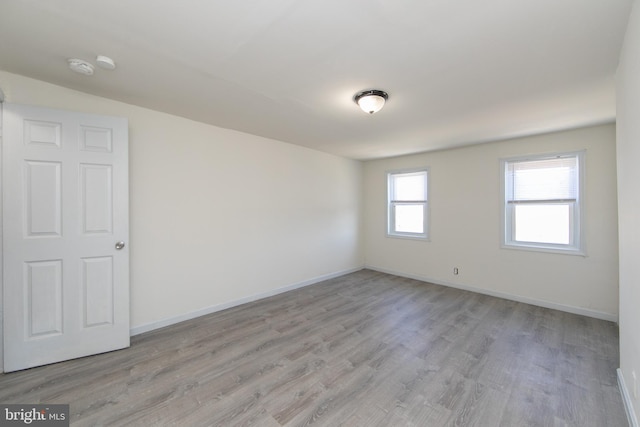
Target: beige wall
465, 226
218, 216
628, 131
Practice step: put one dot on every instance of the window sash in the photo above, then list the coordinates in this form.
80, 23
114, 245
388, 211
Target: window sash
395, 189
400, 228
554, 178
571, 230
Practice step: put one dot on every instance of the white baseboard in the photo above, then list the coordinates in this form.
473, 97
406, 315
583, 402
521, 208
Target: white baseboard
541, 303
626, 399
219, 307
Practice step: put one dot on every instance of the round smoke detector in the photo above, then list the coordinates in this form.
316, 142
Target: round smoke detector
105, 62
80, 66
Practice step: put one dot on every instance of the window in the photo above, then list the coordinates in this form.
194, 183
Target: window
407, 207
542, 202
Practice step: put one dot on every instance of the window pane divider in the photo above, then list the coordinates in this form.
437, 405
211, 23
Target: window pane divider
541, 201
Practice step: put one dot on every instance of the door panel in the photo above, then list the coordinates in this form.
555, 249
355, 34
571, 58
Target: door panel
43, 199
42, 134
96, 196
43, 291
97, 281
65, 205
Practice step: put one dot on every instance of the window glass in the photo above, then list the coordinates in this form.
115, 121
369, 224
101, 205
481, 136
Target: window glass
409, 187
543, 224
409, 219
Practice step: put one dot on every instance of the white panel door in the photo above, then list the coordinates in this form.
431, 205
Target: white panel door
65, 220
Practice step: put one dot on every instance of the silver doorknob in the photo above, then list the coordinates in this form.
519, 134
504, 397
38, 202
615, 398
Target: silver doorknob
119, 245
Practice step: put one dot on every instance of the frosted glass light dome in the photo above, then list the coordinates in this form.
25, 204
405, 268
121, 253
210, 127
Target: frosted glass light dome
371, 101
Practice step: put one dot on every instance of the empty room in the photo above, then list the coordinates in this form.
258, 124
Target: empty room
336, 213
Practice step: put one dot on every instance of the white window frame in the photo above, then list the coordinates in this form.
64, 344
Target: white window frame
576, 244
391, 204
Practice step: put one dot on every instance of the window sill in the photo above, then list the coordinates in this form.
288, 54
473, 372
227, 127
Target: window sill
408, 237
545, 249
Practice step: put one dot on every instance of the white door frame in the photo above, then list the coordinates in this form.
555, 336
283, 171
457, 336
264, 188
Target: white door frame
1, 245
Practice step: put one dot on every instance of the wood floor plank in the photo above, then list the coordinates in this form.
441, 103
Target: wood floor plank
365, 349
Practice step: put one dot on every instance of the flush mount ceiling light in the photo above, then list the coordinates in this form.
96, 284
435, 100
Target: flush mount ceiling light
371, 101
80, 66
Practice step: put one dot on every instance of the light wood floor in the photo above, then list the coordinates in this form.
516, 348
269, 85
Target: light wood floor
366, 349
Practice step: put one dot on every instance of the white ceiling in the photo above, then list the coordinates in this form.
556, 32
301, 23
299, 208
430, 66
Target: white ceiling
457, 71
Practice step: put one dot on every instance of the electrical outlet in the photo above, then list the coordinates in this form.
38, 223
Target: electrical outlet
455, 271
635, 385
